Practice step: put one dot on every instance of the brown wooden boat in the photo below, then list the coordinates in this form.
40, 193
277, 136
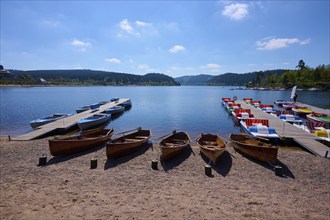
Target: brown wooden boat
127, 143
173, 144
254, 148
212, 146
77, 143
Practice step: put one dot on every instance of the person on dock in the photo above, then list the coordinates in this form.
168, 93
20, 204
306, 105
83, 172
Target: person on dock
295, 97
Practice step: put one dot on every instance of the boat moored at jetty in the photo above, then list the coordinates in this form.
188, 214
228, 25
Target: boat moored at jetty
114, 110
301, 111
93, 121
45, 120
241, 114
259, 128
83, 108
319, 118
292, 119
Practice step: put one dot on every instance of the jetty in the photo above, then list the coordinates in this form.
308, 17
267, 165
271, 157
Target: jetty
287, 131
65, 124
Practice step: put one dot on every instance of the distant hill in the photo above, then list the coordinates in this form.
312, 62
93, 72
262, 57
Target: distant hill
235, 79
86, 77
227, 79
201, 79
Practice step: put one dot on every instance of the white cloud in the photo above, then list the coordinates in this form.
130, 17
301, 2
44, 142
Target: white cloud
113, 60
136, 28
50, 23
80, 45
177, 48
142, 24
212, 66
125, 26
277, 43
236, 11
144, 66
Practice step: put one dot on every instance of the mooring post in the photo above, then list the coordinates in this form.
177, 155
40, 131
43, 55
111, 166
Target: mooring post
208, 170
326, 154
9, 138
42, 160
93, 163
154, 164
278, 171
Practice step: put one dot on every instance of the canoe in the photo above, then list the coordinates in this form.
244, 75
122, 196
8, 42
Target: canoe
127, 143
77, 143
173, 144
115, 110
253, 148
93, 121
41, 121
212, 146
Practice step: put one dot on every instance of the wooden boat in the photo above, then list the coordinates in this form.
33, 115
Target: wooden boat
127, 143
212, 146
259, 128
41, 121
174, 144
115, 110
253, 148
77, 143
93, 121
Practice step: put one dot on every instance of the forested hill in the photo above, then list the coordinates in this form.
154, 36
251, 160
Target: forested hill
235, 79
201, 79
85, 77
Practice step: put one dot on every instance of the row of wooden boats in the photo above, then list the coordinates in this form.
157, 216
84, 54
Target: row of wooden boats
171, 145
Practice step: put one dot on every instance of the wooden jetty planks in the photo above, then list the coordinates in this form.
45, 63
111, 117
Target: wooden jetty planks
287, 130
65, 123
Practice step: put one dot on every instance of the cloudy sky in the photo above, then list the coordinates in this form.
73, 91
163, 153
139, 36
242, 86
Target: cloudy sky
172, 37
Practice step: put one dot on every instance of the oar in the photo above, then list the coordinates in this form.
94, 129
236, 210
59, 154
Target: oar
139, 128
167, 134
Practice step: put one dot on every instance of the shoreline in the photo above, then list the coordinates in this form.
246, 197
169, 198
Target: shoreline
66, 188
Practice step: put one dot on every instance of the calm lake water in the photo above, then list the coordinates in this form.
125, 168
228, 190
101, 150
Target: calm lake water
194, 109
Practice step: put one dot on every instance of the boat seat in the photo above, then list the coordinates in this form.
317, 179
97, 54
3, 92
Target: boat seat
140, 137
132, 140
209, 143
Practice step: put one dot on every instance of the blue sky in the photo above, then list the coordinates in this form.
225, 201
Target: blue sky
172, 37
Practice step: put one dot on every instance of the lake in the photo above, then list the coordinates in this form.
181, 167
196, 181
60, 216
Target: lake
194, 109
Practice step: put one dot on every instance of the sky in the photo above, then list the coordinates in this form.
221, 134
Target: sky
176, 38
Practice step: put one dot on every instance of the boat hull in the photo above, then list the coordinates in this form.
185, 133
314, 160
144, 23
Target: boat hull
255, 149
212, 146
88, 123
173, 145
83, 142
127, 144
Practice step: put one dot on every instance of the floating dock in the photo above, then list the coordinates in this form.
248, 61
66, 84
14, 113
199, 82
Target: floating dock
288, 131
65, 124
